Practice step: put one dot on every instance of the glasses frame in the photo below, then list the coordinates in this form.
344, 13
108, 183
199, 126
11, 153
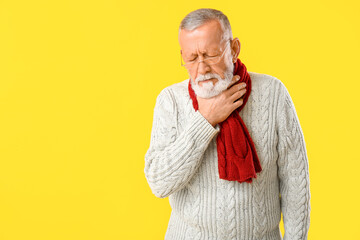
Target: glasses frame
205, 59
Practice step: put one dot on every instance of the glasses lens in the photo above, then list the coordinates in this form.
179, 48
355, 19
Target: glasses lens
211, 61
208, 61
189, 65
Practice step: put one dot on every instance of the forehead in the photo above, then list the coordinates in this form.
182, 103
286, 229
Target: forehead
205, 38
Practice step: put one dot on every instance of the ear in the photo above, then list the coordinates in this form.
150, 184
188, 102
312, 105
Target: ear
235, 49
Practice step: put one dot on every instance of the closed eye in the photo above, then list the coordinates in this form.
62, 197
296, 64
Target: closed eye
193, 59
211, 55
205, 55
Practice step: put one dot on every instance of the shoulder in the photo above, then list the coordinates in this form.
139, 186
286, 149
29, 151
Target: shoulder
262, 79
269, 87
174, 95
274, 92
179, 89
177, 92
273, 84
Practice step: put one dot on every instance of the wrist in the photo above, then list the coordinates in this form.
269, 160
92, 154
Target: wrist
212, 123
210, 120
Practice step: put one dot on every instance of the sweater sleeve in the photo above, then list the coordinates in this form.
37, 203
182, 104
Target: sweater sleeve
293, 171
173, 157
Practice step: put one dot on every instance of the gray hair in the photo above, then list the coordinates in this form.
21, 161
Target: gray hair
200, 16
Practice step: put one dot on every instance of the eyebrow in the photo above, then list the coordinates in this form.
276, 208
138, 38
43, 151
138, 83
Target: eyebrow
210, 50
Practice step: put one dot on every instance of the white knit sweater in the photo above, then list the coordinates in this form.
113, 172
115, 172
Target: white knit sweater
181, 163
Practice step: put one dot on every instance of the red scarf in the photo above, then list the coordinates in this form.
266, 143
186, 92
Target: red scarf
237, 157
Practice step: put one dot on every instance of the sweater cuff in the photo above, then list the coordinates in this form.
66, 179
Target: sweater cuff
201, 129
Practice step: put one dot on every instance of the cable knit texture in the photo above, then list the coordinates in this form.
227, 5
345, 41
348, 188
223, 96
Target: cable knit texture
182, 164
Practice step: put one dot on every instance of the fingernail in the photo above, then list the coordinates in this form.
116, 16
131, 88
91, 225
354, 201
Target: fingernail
244, 84
238, 77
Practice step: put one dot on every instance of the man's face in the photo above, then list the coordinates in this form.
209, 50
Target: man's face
203, 42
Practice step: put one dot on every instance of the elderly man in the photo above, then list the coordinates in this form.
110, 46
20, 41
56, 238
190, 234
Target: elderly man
226, 144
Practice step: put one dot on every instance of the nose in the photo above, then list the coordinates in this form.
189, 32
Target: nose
203, 68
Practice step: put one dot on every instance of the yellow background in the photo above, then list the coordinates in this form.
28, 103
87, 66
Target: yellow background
78, 83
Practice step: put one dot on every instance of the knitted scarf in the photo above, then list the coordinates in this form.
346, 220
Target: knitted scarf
237, 157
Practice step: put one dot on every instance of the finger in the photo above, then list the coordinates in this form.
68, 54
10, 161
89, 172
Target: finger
238, 94
237, 87
238, 103
234, 80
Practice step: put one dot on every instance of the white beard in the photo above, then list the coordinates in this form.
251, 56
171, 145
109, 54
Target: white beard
208, 90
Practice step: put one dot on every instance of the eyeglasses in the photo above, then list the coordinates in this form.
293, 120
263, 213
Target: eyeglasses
209, 60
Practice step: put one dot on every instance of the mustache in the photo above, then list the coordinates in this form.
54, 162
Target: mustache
207, 77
